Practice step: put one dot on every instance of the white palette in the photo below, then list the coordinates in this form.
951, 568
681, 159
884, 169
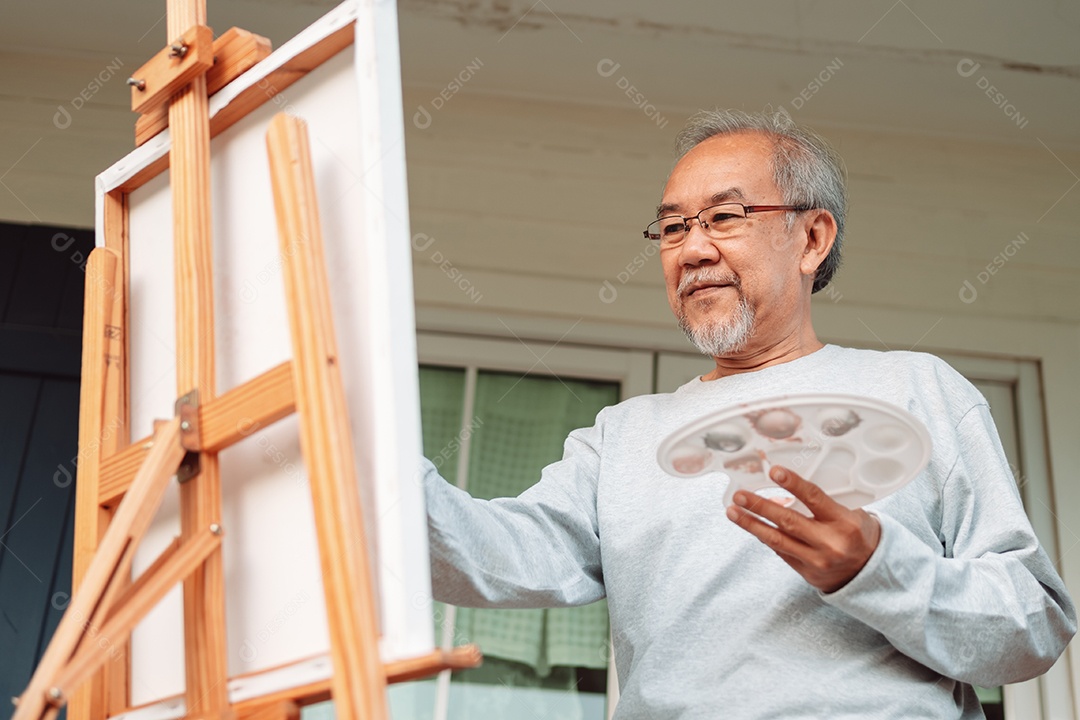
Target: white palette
856, 449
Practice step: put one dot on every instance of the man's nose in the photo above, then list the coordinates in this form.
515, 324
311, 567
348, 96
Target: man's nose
698, 247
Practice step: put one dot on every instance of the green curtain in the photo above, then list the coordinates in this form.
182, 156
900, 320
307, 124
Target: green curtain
519, 426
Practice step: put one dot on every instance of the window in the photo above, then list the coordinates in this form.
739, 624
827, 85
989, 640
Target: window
491, 432
490, 425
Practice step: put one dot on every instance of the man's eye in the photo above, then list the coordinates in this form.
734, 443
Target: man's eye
672, 228
721, 217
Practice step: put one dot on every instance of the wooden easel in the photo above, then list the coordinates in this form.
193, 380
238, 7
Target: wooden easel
120, 488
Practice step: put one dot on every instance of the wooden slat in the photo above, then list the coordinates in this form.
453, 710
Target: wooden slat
235, 52
200, 498
102, 347
396, 671
262, 92
148, 573
224, 421
247, 408
359, 680
132, 518
119, 470
167, 73
172, 567
117, 674
281, 710
116, 231
459, 658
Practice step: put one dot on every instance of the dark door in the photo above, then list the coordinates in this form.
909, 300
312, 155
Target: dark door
41, 297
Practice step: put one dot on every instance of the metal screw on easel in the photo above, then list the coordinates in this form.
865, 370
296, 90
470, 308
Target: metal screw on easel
55, 694
185, 426
137, 83
216, 529
178, 50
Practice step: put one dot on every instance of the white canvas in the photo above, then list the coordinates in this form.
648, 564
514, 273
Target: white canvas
275, 610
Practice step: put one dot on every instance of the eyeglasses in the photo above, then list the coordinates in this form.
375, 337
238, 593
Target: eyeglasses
718, 222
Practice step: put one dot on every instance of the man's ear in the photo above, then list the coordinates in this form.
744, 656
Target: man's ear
819, 229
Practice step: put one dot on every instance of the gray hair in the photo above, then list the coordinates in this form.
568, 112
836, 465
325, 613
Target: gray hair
806, 170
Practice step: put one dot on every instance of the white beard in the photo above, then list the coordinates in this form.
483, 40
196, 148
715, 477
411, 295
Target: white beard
719, 337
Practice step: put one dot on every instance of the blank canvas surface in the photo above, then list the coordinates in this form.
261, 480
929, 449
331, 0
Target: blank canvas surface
275, 610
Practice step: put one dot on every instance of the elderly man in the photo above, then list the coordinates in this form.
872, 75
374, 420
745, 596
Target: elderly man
756, 610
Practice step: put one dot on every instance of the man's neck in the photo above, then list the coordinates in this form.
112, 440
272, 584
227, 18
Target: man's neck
758, 357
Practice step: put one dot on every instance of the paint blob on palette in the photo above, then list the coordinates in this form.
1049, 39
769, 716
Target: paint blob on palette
857, 449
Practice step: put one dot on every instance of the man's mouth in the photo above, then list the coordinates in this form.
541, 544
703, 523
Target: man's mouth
704, 288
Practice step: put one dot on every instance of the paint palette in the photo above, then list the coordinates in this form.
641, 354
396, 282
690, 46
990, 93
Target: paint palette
856, 449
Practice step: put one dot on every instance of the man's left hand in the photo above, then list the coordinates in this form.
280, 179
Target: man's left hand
828, 549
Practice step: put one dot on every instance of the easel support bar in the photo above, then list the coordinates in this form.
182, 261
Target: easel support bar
137, 600
223, 421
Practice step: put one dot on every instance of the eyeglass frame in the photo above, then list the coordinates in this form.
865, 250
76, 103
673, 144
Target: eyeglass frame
747, 210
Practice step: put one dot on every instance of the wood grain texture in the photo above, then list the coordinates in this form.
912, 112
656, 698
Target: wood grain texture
176, 563
117, 672
458, 658
281, 710
100, 423
235, 52
396, 671
248, 408
359, 680
166, 72
119, 469
200, 498
262, 92
224, 421
162, 558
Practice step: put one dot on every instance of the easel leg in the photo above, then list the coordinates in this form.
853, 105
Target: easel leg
359, 681
200, 498
100, 427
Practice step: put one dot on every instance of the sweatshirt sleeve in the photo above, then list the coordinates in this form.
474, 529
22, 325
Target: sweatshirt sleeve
984, 606
540, 549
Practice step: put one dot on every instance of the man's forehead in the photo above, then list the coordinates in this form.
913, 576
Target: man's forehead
730, 194
727, 168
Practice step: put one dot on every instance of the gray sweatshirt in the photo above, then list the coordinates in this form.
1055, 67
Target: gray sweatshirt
709, 623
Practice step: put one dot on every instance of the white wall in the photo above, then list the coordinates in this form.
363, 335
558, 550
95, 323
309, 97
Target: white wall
522, 209
518, 193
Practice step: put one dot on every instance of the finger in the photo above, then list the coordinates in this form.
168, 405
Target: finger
780, 542
788, 521
813, 497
